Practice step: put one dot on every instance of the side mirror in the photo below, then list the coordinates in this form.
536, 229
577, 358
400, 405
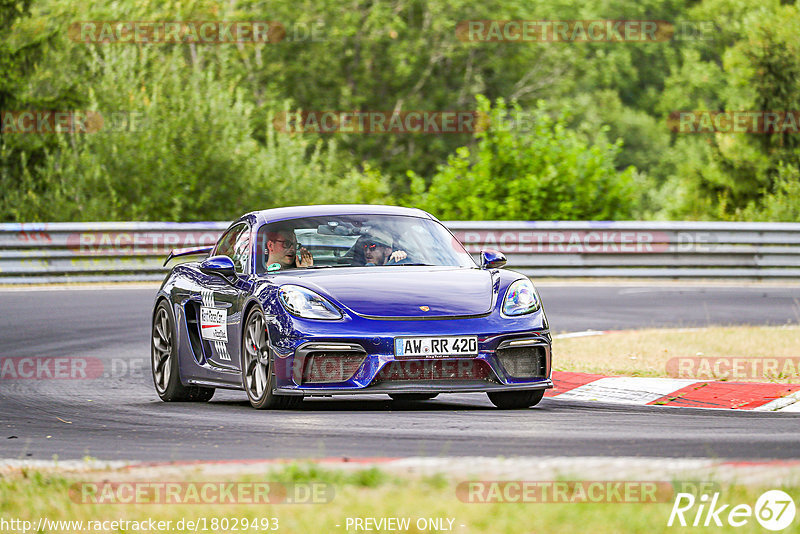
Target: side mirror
219, 265
492, 259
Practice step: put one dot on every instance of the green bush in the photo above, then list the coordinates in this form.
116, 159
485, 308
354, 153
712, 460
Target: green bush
186, 151
546, 172
781, 203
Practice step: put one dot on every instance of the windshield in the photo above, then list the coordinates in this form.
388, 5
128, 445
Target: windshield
357, 241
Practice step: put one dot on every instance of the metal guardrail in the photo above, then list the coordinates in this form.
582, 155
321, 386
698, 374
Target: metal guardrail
95, 252
118, 251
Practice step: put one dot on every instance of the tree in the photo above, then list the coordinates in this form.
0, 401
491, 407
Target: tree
545, 172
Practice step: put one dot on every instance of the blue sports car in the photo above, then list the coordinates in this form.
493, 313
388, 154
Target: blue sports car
339, 300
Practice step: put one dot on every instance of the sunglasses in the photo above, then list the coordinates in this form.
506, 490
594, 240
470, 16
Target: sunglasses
286, 244
373, 245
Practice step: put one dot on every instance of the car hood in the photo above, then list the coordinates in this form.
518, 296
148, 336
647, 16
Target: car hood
393, 292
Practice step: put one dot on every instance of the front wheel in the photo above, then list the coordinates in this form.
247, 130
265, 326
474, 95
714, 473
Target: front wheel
258, 373
164, 362
515, 400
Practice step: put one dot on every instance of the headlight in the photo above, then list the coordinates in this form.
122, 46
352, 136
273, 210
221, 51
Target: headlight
305, 303
521, 298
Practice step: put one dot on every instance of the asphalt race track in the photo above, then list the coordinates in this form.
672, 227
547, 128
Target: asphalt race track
119, 416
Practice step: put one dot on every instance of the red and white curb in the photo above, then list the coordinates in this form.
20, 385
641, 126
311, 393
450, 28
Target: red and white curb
677, 392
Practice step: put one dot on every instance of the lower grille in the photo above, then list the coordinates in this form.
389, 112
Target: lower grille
434, 370
524, 362
331, 366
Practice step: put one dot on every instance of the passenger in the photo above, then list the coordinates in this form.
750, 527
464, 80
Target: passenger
376, 248
282, 251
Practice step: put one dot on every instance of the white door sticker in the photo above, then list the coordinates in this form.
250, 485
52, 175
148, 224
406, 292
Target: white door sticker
214, 323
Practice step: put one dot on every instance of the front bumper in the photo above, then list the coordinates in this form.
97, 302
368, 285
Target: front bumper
418, 387
370, 366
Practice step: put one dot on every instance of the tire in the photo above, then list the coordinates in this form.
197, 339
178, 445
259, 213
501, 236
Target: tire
515, 400
412, 396
258, 373
164, 361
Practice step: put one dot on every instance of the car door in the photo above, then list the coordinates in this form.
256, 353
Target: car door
221, 301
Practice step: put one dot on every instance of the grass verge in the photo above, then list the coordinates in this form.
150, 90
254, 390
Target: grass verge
709, 353
369, 493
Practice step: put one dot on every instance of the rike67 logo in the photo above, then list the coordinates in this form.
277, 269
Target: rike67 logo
774, 510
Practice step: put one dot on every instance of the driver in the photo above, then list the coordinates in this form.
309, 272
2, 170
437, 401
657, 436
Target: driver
377, 249
282, 251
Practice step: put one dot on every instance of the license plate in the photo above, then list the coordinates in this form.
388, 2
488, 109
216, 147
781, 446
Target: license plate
435, 347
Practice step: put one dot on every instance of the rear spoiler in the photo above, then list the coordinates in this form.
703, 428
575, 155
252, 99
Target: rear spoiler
191, 251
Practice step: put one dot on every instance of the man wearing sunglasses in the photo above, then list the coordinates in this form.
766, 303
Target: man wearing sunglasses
282, 250
377, 249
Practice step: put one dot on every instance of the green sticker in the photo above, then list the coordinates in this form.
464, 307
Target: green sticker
274, 267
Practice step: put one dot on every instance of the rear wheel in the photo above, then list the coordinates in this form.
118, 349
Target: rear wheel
164, 361
412, 396
514, 400
258, 373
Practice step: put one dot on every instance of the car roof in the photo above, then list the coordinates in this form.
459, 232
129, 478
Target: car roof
294, 212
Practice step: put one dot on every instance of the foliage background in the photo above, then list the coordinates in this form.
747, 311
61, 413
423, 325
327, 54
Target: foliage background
595, 143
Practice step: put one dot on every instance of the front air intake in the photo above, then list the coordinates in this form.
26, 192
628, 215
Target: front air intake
525, 361
323, 367
327, 362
